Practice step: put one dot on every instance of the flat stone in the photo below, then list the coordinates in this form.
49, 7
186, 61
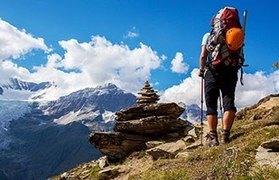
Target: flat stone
167, 150
116, 146
152, 144
147, 110
110, 172
267, 157
154, 125
272, 144
182, 154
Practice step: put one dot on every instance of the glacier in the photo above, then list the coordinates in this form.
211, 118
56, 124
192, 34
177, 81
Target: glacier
10, 110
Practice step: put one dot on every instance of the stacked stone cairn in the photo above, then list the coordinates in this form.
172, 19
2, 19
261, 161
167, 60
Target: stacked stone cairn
145, 121
147, 95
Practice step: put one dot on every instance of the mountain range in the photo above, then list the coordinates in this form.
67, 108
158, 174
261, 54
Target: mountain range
42, 139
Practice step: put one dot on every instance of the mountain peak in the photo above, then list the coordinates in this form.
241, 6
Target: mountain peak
17, 84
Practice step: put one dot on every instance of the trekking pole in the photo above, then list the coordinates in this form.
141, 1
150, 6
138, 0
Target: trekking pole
201, 109
244, 20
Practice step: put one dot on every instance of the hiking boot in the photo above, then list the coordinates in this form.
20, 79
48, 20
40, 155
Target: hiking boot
225, 137
212, 139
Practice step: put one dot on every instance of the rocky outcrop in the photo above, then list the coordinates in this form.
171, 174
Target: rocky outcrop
267, 105
146, 120
268, 153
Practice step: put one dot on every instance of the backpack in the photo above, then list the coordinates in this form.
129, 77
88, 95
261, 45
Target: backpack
220, 51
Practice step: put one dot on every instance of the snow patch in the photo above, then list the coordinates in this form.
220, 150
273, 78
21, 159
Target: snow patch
76, 116
16, 95
108, 116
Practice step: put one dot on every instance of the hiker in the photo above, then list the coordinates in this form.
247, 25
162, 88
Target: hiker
221, 57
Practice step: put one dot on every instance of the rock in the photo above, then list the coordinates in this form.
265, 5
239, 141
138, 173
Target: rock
192, 133
158, 109
256, 117
172, 135
187, 130
110, 173
182, 154
152, 144
103, 162
267, 157
189, 139
194, 146
117, 145
154, 125
167, 150
272, 144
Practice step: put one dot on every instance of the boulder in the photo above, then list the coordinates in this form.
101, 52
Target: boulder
117, 145
157, 109
272, 144
151, 126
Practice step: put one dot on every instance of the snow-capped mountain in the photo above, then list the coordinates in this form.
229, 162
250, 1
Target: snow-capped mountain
90, 106
44, 140
192, 113
15, 89
48, 136
17, 84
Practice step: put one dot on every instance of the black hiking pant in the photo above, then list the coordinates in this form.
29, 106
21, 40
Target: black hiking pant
224, 79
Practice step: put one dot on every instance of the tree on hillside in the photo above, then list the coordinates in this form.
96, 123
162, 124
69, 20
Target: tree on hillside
276, 65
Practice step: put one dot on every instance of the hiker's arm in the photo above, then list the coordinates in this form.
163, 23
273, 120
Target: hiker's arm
203, 57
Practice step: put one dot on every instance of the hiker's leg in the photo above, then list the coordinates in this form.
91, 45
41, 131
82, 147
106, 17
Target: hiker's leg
212, 122
211, 97
228, 119
228, 96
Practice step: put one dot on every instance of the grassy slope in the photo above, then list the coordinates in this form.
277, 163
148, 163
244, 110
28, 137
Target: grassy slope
233, 161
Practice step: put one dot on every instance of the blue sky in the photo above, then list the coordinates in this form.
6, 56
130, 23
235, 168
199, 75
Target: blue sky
166, 26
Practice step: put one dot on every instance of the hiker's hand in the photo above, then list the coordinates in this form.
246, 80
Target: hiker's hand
201, 73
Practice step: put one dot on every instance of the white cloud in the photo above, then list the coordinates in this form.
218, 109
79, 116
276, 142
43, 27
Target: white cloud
188, 91
10, 70
99, 61
177, 64
132, 33
256, 86
15, 43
